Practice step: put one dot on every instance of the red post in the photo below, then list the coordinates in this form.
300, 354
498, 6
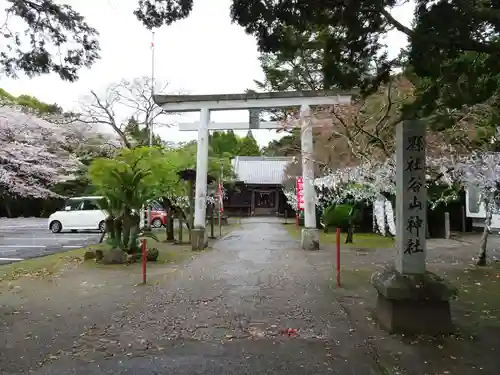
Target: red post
144, 260
337, 266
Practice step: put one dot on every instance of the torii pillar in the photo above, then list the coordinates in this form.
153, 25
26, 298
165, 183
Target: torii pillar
252, 101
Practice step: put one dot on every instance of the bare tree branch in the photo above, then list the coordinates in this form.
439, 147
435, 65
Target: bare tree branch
122, 101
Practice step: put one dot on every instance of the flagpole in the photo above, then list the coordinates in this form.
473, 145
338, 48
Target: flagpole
152, 84
148, 213
220, 201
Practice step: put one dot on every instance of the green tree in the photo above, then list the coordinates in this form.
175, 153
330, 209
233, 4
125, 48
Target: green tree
224, 144
289, 145
139, 135
456, 60
248, 146
175, 193
49, 27
30, 103
127, 182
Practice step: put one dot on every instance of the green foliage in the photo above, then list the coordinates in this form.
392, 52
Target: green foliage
139, 135
50, 28
126, 183
129, 174
29, 102
455, 62
5, 96
228, 145
248, 146
224, 144
289, 145
155, 13
328, 215
349, 48
149, 235
337, 216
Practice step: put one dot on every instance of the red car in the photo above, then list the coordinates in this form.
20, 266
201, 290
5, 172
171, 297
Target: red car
158, 218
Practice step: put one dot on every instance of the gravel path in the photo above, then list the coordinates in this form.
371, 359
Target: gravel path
225, 312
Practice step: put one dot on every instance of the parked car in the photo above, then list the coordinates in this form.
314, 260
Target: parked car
158, 218
80, 213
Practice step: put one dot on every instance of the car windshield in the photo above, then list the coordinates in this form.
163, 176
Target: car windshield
74, 204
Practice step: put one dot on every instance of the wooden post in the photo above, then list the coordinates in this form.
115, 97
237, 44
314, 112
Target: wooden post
212, 234
180, 230
337, 265
447, 230
144, 260
463, 218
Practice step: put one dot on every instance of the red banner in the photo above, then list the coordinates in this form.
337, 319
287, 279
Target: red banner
221, 198
300, 193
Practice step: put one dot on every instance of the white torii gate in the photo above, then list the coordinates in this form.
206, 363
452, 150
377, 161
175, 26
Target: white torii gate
251, 101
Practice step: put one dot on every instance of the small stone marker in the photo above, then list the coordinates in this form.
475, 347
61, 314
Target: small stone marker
411, 299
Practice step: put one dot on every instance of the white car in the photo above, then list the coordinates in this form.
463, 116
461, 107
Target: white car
80, 213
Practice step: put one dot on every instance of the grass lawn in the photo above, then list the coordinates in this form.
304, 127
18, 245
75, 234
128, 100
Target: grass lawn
49, 265
360, 240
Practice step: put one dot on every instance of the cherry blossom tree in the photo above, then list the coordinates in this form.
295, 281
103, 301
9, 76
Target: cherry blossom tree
482, 171
369, 183
374, 182
35, 153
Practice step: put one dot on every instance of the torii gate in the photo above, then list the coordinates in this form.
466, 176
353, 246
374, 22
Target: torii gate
251, 101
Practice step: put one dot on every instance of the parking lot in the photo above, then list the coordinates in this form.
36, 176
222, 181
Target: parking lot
24, 238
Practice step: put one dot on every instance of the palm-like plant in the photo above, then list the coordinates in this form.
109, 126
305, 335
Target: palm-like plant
133, 193
113, 206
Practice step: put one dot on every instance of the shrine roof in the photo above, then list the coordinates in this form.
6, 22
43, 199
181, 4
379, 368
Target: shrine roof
264, 170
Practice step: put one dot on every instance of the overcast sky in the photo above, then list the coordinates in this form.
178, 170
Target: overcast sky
200, 55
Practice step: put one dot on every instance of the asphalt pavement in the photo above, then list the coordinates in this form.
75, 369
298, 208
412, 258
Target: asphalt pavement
24, 238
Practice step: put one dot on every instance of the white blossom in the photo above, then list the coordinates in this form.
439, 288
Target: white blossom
482, 171
35, 153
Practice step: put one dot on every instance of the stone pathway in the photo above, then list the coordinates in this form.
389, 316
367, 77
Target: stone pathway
256, 304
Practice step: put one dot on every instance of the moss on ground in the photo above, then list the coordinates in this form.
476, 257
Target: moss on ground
169, 253
479, 292
360, 240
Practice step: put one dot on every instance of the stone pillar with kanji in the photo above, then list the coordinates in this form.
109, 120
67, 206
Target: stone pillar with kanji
410, 298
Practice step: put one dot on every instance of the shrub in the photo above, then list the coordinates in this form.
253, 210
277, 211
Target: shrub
337, 216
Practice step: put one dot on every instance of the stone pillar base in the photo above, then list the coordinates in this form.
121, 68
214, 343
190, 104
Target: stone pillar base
310, 239
199, 239
413, 304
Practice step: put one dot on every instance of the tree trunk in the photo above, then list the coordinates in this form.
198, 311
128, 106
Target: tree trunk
118, 231
180, 229
133, 246
7, 207
169, 228
103, 234
350, 225
481, 261
110, 230
127, 225
350, 232
212, 235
